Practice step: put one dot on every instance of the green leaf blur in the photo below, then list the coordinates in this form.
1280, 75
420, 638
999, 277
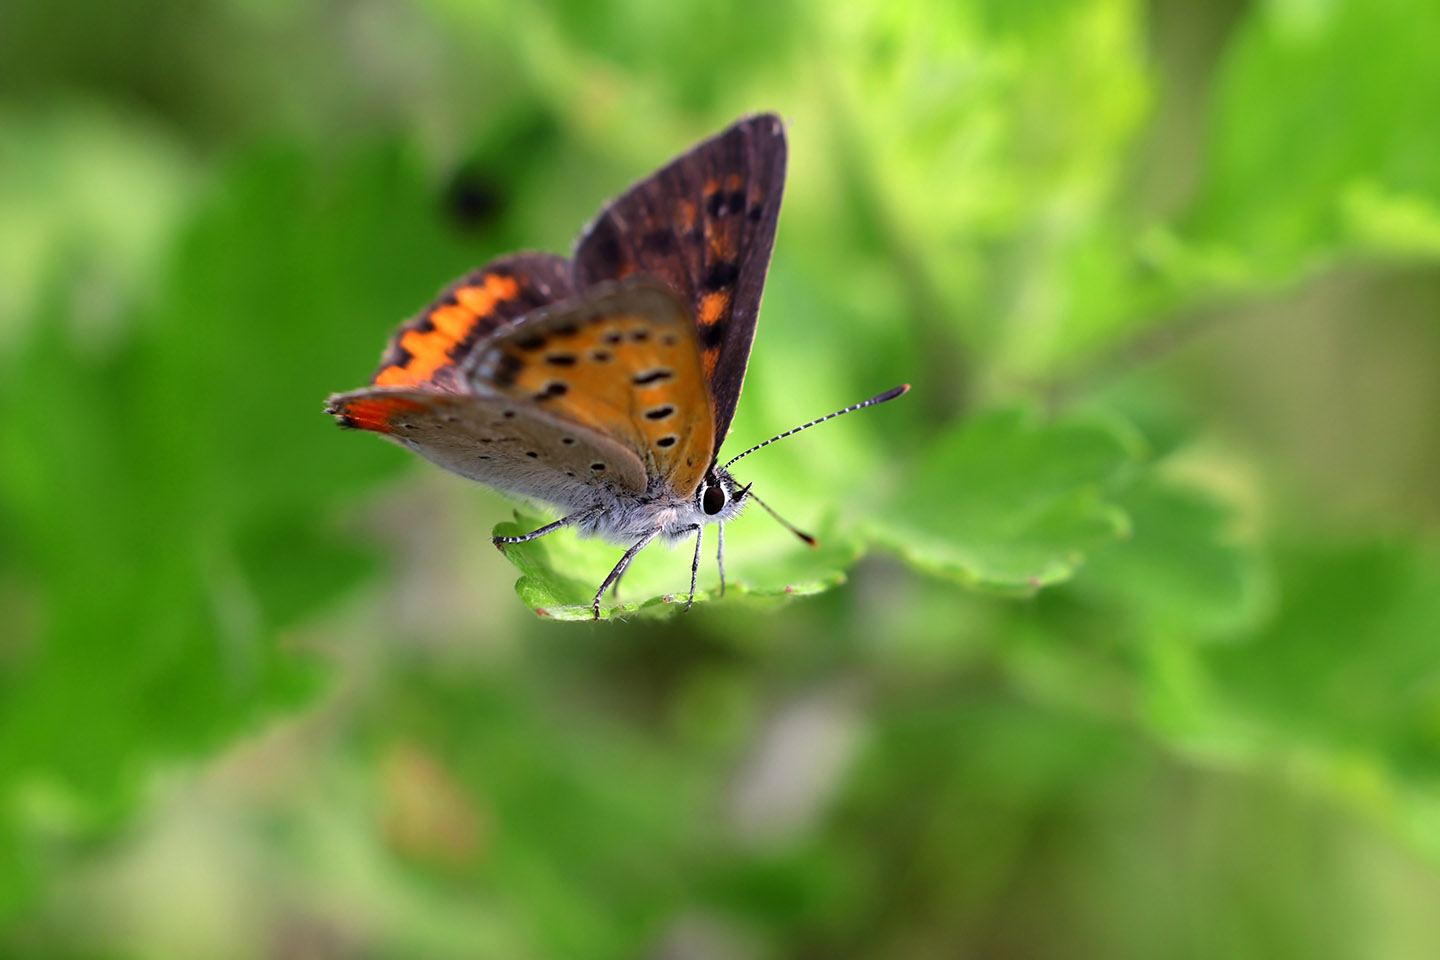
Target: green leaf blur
1122, 636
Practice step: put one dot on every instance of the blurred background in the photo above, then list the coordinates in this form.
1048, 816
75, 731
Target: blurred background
1137, 648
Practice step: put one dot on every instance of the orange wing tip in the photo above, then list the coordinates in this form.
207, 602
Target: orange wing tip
371, 413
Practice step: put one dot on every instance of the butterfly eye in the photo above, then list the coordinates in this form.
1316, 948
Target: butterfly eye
712, 501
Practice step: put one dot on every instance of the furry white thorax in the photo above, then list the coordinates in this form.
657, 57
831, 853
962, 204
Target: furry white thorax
625, 519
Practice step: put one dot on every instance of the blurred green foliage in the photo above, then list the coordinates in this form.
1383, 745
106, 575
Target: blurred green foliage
1123, 639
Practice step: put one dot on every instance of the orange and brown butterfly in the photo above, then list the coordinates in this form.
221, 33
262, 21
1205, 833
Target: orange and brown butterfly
603, 384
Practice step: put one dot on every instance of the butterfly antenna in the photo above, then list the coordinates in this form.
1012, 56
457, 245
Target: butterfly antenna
809, 540
890, 394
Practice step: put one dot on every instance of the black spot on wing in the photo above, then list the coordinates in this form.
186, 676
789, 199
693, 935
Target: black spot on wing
660, 243
397, 355
527, 299
721, 275
649, 377
713, 335
506, 370
724, 203
552, 389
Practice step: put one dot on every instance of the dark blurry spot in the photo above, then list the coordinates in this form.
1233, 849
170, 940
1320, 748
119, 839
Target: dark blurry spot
474, 199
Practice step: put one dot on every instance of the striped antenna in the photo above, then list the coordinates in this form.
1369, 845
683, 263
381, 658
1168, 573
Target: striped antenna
890, 394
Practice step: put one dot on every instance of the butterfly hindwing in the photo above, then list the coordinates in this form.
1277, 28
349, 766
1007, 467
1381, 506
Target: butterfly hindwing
705, 223
510, 445
428, 349
624, 362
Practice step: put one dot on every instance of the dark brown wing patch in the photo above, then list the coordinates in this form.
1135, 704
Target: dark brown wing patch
705, 223
428, 349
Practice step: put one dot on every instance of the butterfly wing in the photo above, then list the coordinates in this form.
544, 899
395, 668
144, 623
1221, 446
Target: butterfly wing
623, 362
511, 445
427, 349
705, 223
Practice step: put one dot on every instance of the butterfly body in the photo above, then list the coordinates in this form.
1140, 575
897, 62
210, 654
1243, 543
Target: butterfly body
602, 385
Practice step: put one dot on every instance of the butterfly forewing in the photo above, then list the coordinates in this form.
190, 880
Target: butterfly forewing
513, 446
428, 349
705, 223
623, 362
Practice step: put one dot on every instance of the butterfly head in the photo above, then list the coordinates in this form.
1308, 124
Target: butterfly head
719, 498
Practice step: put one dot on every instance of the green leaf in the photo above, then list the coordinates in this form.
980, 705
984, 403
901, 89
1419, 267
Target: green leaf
1183, 569
1322, 143
562, 572
101, 190
1350, 659
169, 513
1007, 502
1336, 694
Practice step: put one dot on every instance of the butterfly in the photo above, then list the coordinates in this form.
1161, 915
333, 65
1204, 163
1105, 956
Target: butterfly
604, 384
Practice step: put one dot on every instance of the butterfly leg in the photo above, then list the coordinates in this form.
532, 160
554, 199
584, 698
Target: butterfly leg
527, 537
720, 554
621, 567
695, 564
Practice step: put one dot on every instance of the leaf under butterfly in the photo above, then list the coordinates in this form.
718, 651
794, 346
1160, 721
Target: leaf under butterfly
561, 572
